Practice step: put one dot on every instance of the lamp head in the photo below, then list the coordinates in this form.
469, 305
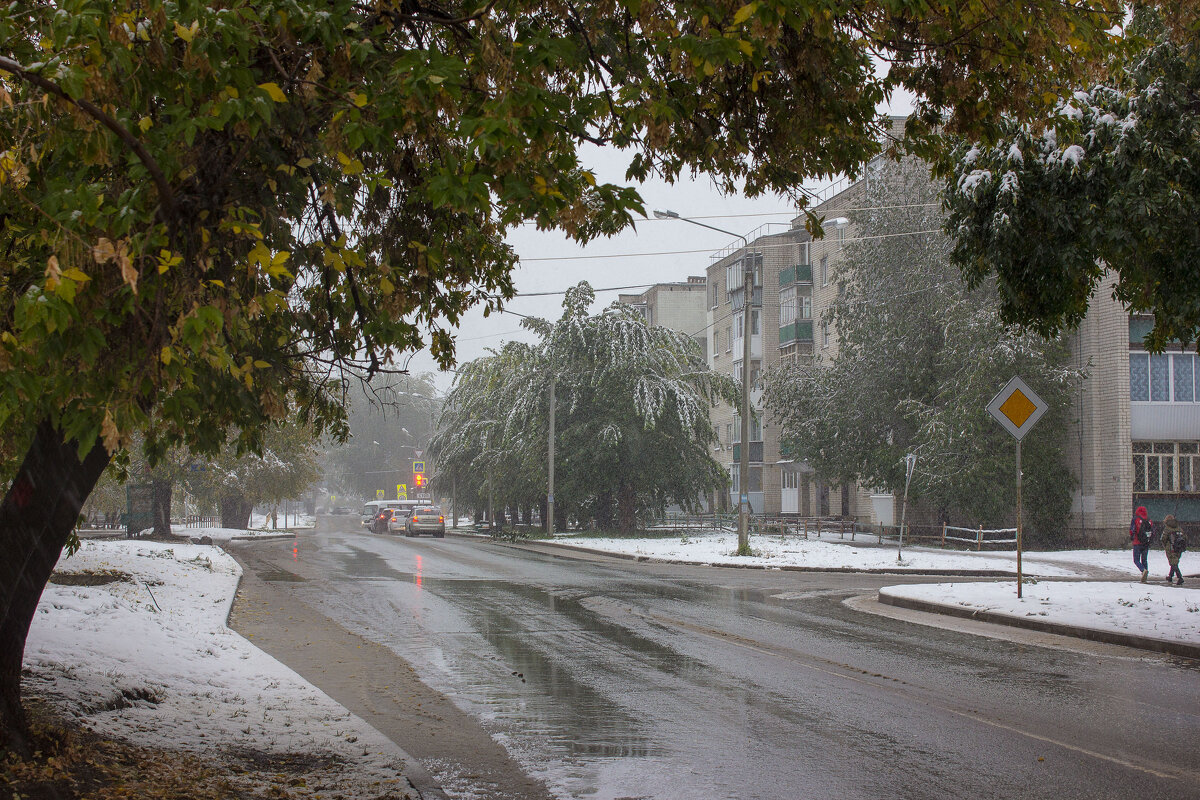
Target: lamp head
663, 213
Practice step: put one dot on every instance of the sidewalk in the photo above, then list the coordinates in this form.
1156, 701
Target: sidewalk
1161, 618
131, 639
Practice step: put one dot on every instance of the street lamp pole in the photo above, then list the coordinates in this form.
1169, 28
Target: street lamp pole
747, 354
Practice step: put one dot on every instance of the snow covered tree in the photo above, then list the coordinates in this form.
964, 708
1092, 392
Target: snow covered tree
1108, 183
919, 357
237, 479
632, 403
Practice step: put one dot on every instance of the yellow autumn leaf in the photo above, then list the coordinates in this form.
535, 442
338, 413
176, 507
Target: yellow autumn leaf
104, 251
358, 99
232, 92
185, 33
53, 273
165, 356
745, 47
129, 273
386, 286
77, 275
145, 124
305, 163
109, 432
744, 13
262, 364
274, 92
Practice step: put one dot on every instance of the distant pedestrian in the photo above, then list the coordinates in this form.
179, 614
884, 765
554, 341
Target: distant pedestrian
1174, 543
1140, 532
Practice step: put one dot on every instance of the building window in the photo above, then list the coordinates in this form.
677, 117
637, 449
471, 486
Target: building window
713, 293
824, 334
824, 270
1166, 466
729, 432
1183, 375
805, 307
787, 306
754, 322
755, 478
1159, 378
728, 338
716, 342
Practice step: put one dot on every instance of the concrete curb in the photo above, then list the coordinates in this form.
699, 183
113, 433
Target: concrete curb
1185, 649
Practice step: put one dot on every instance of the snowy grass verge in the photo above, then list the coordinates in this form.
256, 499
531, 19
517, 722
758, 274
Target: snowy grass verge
715, 547
1168, 613
140, 651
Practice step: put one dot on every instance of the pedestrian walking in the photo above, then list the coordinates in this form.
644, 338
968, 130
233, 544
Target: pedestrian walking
1174, 543
1141, 530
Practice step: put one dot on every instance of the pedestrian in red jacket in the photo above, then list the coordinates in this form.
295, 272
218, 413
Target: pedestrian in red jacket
1141, 530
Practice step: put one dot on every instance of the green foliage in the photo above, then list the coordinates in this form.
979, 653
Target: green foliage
284, 467
919, 357
1107, 183
632, 429
211, 211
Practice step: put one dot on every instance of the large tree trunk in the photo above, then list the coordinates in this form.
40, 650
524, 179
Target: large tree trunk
36, 517
627, 507
235, 511
161, 493
604, 511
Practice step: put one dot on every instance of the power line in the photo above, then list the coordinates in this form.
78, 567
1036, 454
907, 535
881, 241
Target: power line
710, 250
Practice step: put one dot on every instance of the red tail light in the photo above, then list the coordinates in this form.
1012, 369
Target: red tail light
414, 520
442, 519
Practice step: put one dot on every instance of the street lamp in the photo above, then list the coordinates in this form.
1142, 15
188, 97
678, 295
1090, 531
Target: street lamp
748, 299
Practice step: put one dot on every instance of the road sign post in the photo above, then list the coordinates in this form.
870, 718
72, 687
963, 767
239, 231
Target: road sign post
1017, 408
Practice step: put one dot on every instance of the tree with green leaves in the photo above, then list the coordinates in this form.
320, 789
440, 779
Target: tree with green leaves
212, 214
1106, 184
631, 417
919, 357
233, 483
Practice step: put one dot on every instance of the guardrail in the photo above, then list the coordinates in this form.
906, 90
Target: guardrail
790, 525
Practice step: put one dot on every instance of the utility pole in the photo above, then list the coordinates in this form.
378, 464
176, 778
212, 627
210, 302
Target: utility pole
550, 468
747, 355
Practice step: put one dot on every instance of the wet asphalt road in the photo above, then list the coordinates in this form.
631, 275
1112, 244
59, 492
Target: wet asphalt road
607, 678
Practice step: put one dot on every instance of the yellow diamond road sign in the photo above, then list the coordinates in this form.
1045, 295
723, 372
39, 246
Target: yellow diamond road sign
1017, 408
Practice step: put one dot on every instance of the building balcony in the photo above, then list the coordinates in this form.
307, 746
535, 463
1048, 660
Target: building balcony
801, 273
735, 297
799, 331
756, 452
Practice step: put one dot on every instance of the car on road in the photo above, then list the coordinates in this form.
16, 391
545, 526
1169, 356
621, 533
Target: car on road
383, 520
422, 519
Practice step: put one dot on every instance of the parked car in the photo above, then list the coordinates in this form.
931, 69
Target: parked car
422, 519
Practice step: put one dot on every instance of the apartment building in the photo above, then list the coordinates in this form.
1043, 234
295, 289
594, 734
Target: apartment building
678, 306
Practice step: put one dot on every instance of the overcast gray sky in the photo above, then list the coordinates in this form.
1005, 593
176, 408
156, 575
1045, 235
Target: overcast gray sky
655, 251
552, 263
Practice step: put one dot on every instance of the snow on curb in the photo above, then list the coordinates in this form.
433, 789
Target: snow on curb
148, 657
1145, 615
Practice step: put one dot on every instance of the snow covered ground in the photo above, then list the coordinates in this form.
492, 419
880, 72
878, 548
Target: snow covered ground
289, 521
1114, 600
144, 655
863, 553
1154, 610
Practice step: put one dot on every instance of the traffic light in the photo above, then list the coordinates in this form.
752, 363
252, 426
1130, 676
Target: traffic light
418, 480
